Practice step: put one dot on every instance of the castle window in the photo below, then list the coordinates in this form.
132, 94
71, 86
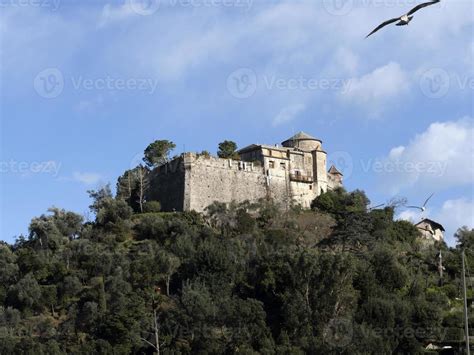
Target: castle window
310, 187
271, 164
283, 166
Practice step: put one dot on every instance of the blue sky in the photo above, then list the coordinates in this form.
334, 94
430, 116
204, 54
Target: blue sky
85, 86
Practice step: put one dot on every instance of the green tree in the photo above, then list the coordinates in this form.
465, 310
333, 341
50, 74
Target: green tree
227, 150
26, 293
110, 212
168, 264
465, 238
338, 202
158, 152
152, 207
244, 278
9, 269
133, 186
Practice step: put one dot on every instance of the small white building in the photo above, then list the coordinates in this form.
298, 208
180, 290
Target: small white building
430, 229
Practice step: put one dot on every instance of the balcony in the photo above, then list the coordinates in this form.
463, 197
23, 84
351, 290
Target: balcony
301, 178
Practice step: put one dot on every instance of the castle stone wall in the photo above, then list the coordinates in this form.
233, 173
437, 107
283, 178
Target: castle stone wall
167, 184
321, 174
193, 182
289, 176
211, 179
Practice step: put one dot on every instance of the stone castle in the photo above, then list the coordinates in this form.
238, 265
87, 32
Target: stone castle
291, 174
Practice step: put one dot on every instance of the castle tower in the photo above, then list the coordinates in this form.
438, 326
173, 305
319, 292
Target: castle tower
317, 163
303, 141
334, 177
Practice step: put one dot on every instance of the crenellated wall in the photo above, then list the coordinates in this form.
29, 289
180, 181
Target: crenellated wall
210, 179
193, 182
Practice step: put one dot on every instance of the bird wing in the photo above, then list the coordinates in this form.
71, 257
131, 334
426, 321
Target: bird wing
420, 6
428, 199
419, 208
383, 25
372, 208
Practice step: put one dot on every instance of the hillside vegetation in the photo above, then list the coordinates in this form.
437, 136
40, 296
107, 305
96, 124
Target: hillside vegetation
245, 279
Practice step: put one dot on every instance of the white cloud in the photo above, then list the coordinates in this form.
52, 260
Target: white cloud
455, 214
376, 89
292, 39
32, 40
87, 178
111, 14
412, 215
346, 61
452, 215
439, 158
288, 114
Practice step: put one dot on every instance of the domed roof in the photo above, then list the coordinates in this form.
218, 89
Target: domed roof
302, 136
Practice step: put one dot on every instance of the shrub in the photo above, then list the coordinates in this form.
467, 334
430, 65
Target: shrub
152, 206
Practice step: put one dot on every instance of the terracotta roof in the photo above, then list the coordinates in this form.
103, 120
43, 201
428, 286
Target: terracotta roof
333, 170
434, 224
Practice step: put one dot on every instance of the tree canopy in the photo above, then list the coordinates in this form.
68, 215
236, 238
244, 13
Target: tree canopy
242, 278
158, 152
227, 150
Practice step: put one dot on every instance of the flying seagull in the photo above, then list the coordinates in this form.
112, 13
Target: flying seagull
405, 19
422, 208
